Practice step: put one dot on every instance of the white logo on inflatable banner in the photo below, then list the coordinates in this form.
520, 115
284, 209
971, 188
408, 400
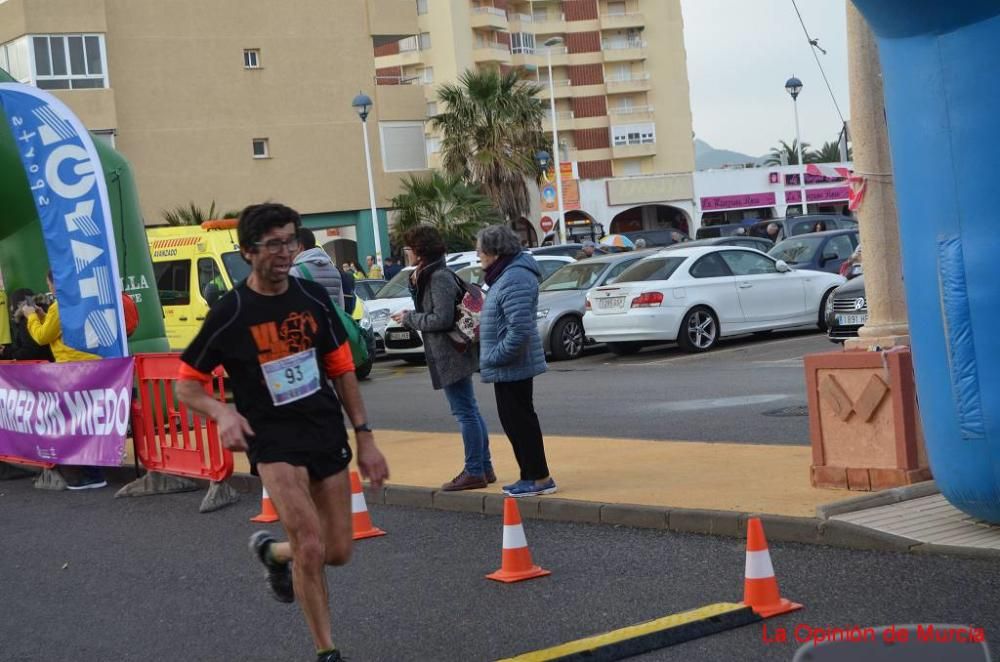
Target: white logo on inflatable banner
67, 185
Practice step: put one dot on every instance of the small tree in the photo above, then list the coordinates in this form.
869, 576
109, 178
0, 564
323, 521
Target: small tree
491, 130
458, 210
790, 153
828, 153
192, 214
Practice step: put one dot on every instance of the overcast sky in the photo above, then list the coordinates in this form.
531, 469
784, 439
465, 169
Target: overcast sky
739, 55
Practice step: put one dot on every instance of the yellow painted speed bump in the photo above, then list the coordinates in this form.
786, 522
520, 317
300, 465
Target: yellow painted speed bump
648, 636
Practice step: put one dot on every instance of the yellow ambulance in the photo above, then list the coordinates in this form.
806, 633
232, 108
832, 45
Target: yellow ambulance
194, 265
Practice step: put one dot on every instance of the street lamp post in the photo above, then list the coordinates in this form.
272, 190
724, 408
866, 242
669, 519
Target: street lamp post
556, 168
793, 86
362, 105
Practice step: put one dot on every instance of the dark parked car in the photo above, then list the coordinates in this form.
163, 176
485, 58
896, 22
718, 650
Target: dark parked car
818, 251
846, 310
657, 237
763, 245
726, 230
793, 226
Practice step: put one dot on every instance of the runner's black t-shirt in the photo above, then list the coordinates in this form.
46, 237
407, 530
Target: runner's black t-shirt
294, 335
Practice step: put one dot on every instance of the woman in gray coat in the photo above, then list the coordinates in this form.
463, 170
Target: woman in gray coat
436, 291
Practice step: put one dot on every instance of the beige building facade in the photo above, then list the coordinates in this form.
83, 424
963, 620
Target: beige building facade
236, 101
619, 77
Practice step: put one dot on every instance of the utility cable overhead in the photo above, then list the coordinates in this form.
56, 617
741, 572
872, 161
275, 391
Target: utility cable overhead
813, 45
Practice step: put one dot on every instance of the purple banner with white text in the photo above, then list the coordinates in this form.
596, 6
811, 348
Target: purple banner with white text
66, 413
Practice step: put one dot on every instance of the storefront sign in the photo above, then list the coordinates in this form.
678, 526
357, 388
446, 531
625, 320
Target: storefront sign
570, 189
715, 203
837, 193
793, 179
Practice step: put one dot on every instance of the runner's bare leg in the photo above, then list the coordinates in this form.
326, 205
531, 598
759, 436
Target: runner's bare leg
288, 486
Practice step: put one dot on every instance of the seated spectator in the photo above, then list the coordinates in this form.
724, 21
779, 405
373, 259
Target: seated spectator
23, 347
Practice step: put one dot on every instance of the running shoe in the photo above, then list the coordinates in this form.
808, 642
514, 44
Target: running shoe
524, 488
332, 656
279, 575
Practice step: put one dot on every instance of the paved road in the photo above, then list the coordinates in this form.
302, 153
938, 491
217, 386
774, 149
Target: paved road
85, 577
660, 393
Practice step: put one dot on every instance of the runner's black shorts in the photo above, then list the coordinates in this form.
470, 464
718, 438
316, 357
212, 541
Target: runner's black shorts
321, 462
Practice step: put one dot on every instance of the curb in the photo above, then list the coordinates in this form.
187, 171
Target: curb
725, 523
883, 498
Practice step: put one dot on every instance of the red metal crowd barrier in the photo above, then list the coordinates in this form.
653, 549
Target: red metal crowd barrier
14, 458
169, 438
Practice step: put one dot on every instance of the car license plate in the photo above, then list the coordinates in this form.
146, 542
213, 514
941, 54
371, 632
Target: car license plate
851, 320
399, 335
610, 302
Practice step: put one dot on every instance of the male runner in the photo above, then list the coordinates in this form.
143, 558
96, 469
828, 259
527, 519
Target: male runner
279, 340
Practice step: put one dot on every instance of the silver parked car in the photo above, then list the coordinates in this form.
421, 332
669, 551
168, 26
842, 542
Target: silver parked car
562, 299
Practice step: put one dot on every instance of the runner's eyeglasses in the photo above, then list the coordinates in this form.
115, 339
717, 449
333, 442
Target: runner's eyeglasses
274, 246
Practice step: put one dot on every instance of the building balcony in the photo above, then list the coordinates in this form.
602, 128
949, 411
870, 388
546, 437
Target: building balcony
552, 23
624, 51
623, 21
634, 83
403, 101
601, 154
631, 115
564, 121
594, 122
492, 52
521, 22
538, 58
488, 18
391, 20
561, 88
633, 151
580, 91
409, 58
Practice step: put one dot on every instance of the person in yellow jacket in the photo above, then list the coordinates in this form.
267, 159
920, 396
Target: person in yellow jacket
5, 337
45, 329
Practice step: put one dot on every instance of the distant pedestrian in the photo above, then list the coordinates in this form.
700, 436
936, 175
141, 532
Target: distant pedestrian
391, 268
358, 272
23, 347
46, 329
436, 290
373, 269
312, 263
773, 232
589, 247
820, 226
511, 355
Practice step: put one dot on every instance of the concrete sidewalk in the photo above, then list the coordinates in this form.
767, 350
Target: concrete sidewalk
679, 474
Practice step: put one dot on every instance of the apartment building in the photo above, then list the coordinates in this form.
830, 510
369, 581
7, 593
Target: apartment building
237, 101
620, 84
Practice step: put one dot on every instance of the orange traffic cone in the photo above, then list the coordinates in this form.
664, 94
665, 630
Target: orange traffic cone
516, 565
760, 588
360, 520
267, 511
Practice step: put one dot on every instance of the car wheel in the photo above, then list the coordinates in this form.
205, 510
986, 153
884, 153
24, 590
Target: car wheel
567, 338
699, 330
821, 322
365, 369
624, 348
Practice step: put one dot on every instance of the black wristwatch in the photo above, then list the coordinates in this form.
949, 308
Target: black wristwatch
362, 428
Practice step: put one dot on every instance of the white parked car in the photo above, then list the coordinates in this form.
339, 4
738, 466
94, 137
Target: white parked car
393, 297
698, 295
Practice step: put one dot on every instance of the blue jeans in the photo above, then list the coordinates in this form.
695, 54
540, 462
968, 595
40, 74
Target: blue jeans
462, 399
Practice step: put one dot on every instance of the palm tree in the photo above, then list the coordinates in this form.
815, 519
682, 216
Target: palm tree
491, 130
458, 210
194, 215
788, 152
829, 153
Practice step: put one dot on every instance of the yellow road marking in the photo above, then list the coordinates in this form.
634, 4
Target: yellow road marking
626, 633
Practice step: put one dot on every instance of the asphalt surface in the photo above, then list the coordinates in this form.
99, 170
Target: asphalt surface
86, 577
728, 394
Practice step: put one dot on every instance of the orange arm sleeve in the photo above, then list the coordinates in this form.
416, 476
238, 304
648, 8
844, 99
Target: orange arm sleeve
339, 362
188, 372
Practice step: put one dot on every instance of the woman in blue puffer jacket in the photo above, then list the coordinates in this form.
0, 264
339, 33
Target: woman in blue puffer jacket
510, 352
